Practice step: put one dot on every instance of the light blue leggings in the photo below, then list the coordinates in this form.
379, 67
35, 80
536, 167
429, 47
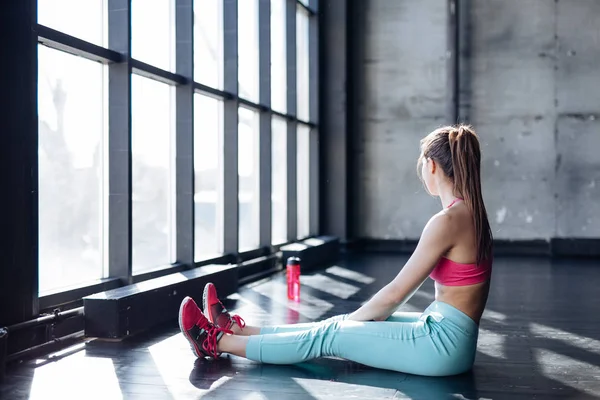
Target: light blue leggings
440, 341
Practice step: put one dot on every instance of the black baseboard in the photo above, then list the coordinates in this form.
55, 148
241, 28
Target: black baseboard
128, 310
536, 248
314, 252
555, 247
576, 247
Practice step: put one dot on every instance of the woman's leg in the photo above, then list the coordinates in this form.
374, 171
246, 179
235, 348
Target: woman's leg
265, 330
424, 347
234, 344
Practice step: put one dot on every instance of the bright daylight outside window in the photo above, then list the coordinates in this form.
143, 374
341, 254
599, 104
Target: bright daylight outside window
71, 131
152, 174
73, 136
208, 150
89, 24
278, 57
248, 49
302, 59
153, 32
208, 42
303, 180
278, 180
248, 179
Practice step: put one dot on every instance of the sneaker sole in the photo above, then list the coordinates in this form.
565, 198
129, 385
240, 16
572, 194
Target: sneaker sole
205, 306
186, 335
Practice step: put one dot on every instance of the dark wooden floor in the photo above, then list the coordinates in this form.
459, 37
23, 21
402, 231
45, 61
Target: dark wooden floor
540, 339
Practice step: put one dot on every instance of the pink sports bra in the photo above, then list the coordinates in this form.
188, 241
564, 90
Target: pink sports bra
451, 273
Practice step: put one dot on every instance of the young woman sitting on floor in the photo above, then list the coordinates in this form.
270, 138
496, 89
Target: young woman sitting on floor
455, 250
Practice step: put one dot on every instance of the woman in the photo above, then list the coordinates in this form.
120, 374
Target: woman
455, 250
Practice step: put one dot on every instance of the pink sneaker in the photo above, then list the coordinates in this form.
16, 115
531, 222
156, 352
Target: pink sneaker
202, 335
216, 312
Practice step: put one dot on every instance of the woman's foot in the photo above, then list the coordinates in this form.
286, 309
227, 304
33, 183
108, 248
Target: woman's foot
202, 335
216, 312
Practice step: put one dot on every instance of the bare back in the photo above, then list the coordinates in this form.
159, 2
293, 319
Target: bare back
469, 299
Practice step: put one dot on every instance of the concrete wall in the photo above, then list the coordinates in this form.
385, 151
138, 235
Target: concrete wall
513, 108
578, 120
533, 95
405, 82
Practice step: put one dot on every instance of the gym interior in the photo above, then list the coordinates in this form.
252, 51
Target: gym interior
276, 128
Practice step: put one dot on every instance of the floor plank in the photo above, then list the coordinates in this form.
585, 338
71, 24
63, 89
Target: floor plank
539, 339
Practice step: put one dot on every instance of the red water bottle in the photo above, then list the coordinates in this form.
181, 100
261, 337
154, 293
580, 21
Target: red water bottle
293, 278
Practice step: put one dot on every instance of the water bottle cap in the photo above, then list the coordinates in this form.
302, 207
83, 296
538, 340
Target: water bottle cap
293, 260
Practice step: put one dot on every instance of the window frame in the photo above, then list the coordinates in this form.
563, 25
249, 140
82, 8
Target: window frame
117, 56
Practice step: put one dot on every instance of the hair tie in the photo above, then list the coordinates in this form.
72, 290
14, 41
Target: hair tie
454, 134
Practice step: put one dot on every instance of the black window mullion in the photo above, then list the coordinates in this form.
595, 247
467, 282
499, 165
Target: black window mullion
264, 157
184, 133
292, 101
229, 212
119, 143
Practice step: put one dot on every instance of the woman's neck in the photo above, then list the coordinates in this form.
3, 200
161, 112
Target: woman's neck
447, 196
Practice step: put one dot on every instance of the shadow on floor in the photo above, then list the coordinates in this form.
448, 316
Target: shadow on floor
273, 381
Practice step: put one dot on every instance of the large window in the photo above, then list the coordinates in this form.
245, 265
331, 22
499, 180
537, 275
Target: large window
248, 49
278, 56
71, 127
208, 42
248, 195
139, 139
152, 192
208, 150
89, 24
303, 180
278, 180
302, 60
152, 32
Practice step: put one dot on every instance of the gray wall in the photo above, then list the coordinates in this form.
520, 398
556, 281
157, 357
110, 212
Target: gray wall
531, 88
405, 96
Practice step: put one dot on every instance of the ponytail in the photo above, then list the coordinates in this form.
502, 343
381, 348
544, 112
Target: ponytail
466, 164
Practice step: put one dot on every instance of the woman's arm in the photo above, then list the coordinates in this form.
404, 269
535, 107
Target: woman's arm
436, 240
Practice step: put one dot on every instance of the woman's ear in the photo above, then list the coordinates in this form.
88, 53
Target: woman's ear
433, 165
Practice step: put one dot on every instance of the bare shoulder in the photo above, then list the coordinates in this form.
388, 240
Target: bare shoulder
441, 224
458, 217
447, 225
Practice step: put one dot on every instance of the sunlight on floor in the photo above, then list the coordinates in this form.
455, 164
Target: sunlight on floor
493, 316
560, 368
309, 306
320, 389
174, 359
329, 285
245, 307
491, 343
571, 339
56, 356
254, 396
76, 377
69, 350
349, 274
